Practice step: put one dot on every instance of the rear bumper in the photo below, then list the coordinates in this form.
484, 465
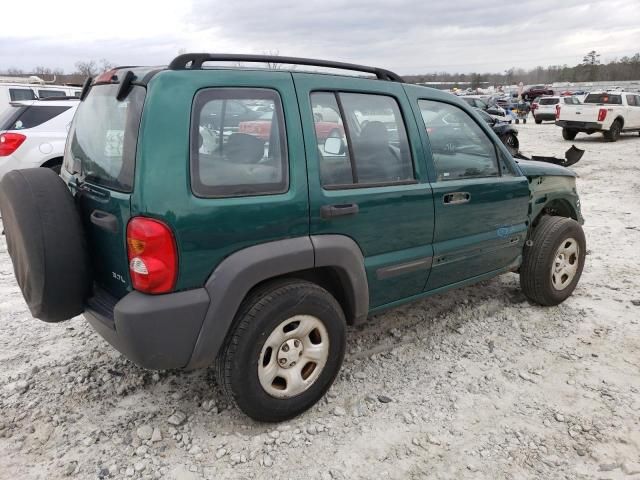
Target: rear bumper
544, 116
153, 331
582, 126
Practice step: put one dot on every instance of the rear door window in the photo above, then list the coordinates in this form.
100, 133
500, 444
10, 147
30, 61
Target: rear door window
238, 143
369, 149
17, 94
34, 116
632, 100
104, 135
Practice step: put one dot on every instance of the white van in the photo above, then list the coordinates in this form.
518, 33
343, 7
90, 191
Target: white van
18, 91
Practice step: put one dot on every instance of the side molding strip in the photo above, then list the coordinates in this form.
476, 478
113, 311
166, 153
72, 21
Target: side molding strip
402, 268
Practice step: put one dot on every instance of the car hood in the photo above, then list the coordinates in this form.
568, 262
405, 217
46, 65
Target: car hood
532, 168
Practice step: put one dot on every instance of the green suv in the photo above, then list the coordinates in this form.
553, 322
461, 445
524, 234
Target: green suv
246, 216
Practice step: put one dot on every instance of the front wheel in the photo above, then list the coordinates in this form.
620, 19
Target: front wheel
511, 142
285, 350
553, 260
568, 134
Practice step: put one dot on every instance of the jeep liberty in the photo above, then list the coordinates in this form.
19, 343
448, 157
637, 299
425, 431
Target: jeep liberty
243, 217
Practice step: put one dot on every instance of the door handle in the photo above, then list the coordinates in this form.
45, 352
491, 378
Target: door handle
328, 211
104, 220
456, 198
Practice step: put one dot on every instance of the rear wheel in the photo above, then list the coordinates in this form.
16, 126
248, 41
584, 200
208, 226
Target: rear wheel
285, 350
569, 134
538, 121
613, 134
553, 260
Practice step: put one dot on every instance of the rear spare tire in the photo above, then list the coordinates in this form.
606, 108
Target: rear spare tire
46, 242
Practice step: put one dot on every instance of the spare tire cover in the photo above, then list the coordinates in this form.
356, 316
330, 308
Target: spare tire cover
46, 242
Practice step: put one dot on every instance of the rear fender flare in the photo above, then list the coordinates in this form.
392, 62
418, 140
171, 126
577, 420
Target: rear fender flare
236, 275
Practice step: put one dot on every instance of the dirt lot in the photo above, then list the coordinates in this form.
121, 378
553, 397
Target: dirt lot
476, 383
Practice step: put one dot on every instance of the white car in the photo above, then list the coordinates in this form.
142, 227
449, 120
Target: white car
544, 108
609, 113
33, 134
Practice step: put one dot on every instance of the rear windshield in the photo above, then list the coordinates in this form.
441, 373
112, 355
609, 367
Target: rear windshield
103, 137
548, 101
603, 98
23, 117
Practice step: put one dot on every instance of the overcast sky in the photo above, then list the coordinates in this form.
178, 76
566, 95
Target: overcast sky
409, 36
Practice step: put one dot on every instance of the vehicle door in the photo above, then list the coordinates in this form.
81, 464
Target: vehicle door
480, 197
634, 111
367, 179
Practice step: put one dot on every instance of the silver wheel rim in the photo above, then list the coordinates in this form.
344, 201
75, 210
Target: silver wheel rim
293, 356
565, 264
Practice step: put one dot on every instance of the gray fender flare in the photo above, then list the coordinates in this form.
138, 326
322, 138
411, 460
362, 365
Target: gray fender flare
237, 274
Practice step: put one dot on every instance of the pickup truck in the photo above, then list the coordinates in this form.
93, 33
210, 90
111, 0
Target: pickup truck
609, 113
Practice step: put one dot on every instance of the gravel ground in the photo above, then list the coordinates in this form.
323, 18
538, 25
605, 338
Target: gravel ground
476, 383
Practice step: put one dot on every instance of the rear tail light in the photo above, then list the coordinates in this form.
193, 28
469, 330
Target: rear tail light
602, 114
9, 143
557, 112
534, 106
153, 257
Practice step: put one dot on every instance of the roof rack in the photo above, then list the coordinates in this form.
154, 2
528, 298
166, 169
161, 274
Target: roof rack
194, 61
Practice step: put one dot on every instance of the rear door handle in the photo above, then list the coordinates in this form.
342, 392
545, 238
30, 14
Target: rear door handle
105, 221
456, 198
328, 211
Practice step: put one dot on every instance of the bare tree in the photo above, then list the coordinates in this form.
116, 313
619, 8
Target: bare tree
106, 65
273, 65
87, 69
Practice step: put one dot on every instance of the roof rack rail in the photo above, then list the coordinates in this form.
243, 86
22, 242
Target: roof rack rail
194, 61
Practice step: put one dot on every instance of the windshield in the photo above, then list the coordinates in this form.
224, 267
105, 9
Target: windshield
103, 137
603, 98
549, 101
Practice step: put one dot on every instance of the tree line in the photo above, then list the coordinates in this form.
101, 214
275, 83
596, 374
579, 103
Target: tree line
590, 70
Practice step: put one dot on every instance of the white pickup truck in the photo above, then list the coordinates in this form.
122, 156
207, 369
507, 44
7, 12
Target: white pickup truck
611, 113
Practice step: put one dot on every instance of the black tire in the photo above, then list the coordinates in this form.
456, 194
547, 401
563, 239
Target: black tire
510, 140
539, 257
46, 242
569, 134
56, 168
613, 134
524, 120
538, 121
259, 315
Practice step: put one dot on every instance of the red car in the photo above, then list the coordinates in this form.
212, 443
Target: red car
261, 128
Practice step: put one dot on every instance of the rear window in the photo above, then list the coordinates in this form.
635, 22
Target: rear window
51, 93
22, 118
17, 94
103, 137
238, 143
548, 101
571, 101
603, 98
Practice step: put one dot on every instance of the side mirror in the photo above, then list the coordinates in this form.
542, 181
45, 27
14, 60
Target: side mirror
334, 146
